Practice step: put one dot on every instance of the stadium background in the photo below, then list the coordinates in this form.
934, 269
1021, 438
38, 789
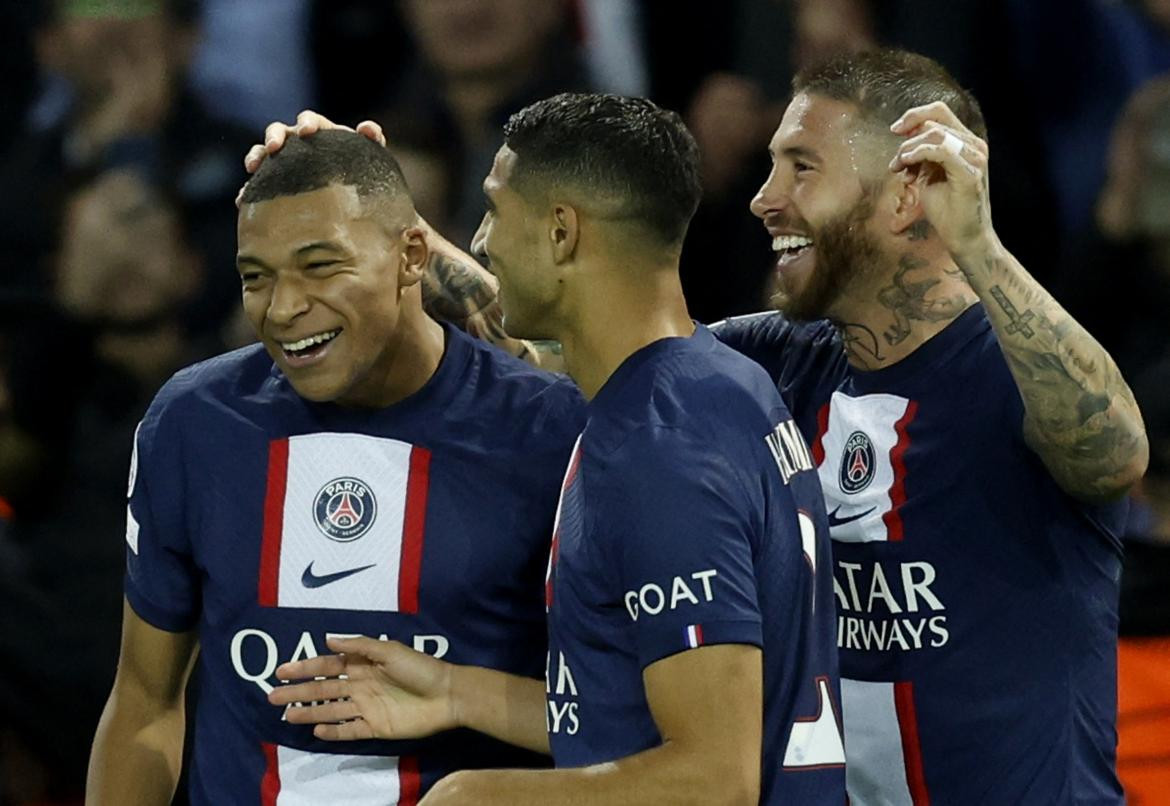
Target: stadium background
125, 124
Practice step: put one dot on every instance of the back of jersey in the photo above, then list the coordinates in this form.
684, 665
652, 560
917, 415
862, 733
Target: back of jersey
706, 520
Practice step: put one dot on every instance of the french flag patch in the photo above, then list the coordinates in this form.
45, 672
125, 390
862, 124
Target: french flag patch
694, 635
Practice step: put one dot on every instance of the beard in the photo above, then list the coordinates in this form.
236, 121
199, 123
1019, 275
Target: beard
845, 253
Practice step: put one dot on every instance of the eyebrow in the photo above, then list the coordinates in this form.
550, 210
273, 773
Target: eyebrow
799, 153
328, 246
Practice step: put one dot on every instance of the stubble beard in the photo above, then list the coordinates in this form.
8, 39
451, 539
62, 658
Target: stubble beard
846, 253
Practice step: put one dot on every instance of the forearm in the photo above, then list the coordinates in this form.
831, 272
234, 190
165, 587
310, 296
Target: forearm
1081, 418
665, 774
458, 290
136, 754
506, 706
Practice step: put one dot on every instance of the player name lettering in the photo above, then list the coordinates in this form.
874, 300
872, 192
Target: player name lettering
560, 693
789, 450
255, 654
652, 599
876, 603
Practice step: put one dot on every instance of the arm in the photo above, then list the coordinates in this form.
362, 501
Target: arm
456, 288
707, 704
1080, 416
386, 690
139, 743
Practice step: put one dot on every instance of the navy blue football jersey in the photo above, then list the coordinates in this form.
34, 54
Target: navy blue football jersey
691, 515
268, 523
976, 601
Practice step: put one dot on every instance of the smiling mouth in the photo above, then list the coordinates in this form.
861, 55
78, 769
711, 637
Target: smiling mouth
308, 347
789, 247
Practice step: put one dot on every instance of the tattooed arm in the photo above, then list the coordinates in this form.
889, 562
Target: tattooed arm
1080, 416
458, 290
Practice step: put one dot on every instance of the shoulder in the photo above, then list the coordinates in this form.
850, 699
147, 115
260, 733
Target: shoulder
785, 349
699, 400
524, 405
195, 389
519, 385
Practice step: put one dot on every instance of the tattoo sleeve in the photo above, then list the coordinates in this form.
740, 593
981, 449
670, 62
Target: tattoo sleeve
1080, 415
458, 290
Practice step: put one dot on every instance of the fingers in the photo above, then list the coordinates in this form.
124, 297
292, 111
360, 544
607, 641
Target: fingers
367, 648
308, 123
344, 732
321, 666
336, 711
953, 149
938, 112
372, 130
310, 691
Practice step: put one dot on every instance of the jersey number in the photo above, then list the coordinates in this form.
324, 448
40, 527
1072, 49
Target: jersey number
816, 742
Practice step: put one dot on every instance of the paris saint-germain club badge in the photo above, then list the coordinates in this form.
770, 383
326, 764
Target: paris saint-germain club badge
345, 509
857, 465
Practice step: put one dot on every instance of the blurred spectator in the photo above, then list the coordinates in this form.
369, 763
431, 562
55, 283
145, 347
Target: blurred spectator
1143, 753
78, 376
480, 60
252, 64
122, 66
1118, 282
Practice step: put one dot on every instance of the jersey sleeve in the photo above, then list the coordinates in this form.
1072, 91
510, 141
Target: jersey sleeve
161, 582
804, 359
686, 553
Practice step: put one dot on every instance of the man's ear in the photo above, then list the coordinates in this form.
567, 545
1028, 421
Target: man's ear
909, 216
564, 232
415, 255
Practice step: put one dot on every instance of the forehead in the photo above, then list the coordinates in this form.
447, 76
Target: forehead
503, 166
816, 122
328, 213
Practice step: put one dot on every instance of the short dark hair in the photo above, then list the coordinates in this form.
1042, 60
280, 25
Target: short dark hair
884, 83
624, 149
335, 156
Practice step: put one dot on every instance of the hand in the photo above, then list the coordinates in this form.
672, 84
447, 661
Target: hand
374, 689
308, 123
951, 162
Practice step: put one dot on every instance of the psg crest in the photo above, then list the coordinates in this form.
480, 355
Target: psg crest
857, 465
345, 509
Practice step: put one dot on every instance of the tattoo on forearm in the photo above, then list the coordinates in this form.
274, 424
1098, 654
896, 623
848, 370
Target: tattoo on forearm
908, 301
1081, 416
1017, 322
453, 291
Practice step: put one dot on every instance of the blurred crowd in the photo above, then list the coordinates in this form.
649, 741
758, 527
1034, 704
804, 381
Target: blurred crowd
126, 124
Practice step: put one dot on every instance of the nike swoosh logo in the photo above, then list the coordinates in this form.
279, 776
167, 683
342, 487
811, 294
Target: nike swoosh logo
311, 580
836, 521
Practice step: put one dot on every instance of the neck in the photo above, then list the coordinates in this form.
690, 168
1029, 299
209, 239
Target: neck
408, 362
891, 318
621, 310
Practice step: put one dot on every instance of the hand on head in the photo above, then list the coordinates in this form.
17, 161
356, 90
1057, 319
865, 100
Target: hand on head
308, 123
951, 161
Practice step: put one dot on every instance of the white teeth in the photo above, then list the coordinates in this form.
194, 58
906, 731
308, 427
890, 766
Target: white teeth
782, 243
309, 341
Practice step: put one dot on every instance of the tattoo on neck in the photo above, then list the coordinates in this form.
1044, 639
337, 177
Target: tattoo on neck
908, 301
919, 230
861, 344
